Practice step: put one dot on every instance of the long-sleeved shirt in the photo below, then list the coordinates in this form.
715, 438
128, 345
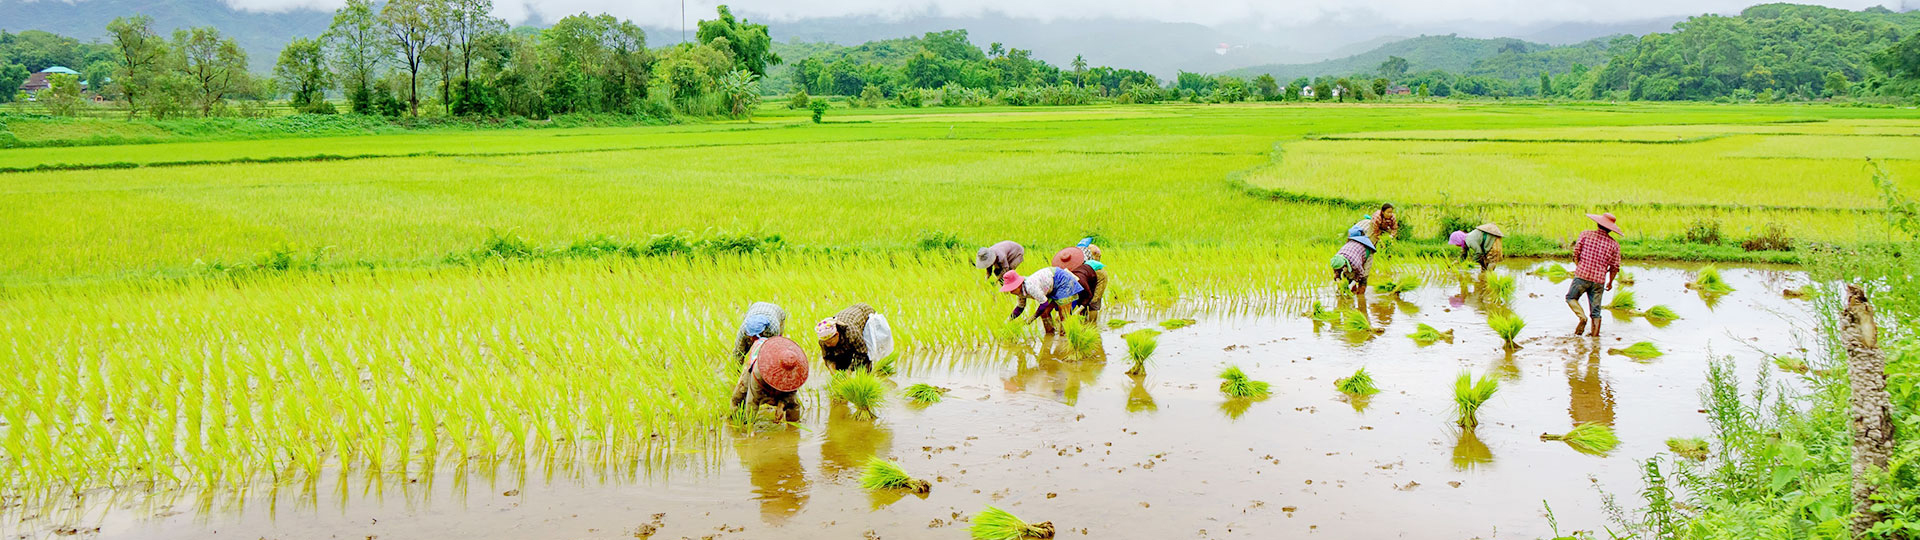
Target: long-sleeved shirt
776, 325
1003, 256
1359, 258
1595, 255
851, 350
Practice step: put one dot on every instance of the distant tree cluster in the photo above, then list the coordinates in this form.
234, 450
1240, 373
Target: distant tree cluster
946, 65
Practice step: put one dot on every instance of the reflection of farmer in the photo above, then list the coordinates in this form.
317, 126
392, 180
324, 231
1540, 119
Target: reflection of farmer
999, 258
1053, 288
1482, 244
1590, 397
772, 460
1351, 264
847, 442
843, 343
763, 321
1596, 262
777, 369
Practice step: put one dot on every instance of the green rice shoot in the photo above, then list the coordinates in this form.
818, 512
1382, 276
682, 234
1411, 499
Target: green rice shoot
862, 390
1176, 324
883, 474
1140, 348
1661, 312
924, 393
1358, 384
1508, 327
1427, 334
1319, 312
886, 367
1499, 287
1623, 300
1404, 284
1626, 278
996, 524
1117, 323
1639, 351
1552, 271
1708, 280
1235, 383
1693, 448
1469, 394
1084, 338
1353, 320
1790, 363
1590, 437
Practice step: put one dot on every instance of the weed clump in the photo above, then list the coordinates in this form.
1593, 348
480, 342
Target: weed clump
1469, 394
863, 390
1176, 324
1427, 335
1693, 448
1358, 384
1235, 383
1773, 239
1708, 280
1638, 351
1508, 326
1140, 347
1591, 438
924, 393
883, 474
996, 524
1623, 301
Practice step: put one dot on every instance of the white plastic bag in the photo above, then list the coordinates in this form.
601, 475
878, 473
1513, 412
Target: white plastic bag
879, 337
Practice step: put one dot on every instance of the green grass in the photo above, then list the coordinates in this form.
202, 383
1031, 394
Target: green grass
1360, 383
1592, 438
1693, 448
1639, 351
996, 524
1235, 384
1508, 327
862, 390
1140, 347
1623, 300
924, 393
1427, 334
1707, 280
880, 474
1470, 394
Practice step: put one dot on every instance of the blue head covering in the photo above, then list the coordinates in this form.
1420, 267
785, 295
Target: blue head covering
1084, 242
757, 324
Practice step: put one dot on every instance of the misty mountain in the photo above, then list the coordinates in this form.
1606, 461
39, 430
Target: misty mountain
261, 34
1449, 53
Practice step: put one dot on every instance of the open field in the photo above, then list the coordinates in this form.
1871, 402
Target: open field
191, 315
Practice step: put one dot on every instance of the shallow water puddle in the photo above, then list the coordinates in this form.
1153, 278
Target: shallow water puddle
1105, 455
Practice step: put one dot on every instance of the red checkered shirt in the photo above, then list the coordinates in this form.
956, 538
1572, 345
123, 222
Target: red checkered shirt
1595, 254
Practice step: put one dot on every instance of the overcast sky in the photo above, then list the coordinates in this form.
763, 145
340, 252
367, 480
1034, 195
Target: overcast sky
1268, 12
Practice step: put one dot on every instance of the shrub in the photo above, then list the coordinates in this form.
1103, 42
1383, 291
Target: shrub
1705, 231
1773, 239
819, 108
910, 97
1454, 222
939, 241
799, 100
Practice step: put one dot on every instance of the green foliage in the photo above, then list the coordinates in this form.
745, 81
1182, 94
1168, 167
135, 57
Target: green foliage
1661, 312
1083, 337
1360, 383
924, 393
1320, 313
1768, 49
880, 473
1470, 394
1235, 384
996, 524
748, 44
819, 108
799, 100
861, 389
1693, 448
1590, 437
940, 241
1508, 326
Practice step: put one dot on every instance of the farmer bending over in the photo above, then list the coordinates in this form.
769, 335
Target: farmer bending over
776, 370
1052, 287
999, 258
1372, 226
1596, 262
1353, 261
1096, 299
1482, 244
764, 320
843, 341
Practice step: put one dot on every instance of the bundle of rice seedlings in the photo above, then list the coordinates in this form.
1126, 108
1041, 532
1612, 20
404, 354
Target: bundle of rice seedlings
1790, 363
1404, 284
1469, 394
1140, 347
1358, 384
1694, 448
1013, 331
924, 393
1638, 351
1552, 271
862, 390
1176, 324
1427, 334
1319, 312
1355, 321
1661, 312
1235, 383
1508, 326
1708, 280
1117, 323
1625, 278
1499, 287
996, 524
886, 367
1623, 300
1592, 438
883, 474
1083, 338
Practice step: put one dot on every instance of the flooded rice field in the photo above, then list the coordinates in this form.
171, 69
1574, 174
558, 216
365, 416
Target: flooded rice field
1102, 454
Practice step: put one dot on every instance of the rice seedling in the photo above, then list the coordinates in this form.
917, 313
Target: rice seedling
1693, 448
1623, 300
1552, 271
1235, 383
1508, 326
1661, 312
1639, 351
1117, 323
887, 367
862, 390
1590, 437
1014, 331
1427, 334
1708, 281
1404, 284
1360, 383
996, 524
924, 393
1625, 278
1470, 394
1356, 322
1319, 313
1140, 348
1084, 338
883, 474
1176, 324
1498, 287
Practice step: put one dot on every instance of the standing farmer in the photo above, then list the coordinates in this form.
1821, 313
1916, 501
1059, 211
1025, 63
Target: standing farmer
843, 339
777, 369
1353, 261
1596, 262
1053, 288
999, 258
764, 320
1482, 244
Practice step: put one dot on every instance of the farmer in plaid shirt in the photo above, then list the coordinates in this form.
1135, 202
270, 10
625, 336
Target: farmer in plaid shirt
1596, 262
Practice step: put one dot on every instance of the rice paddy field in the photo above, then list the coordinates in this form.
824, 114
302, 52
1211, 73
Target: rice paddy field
513, 334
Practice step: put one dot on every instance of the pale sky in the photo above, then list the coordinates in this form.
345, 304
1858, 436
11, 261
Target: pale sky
1268, 12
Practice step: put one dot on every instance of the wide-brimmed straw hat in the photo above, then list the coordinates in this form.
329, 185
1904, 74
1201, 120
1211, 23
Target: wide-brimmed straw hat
1363, 240
1070, 258
1011, 281
1492, 229
1606, 221
781, 364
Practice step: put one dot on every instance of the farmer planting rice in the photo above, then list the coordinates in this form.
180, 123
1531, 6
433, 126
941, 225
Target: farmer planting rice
1350, 265
764, 320
1482, 244
1053, 287
1596, 262
999, 258
847, 338
1077, 261
1098, 296
776, 370
1372, 226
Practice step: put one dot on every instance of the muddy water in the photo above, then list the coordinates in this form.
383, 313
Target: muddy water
1105, 455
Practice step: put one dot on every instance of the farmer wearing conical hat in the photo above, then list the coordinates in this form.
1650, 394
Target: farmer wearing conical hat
1352, 263
1596, 262
1482, 243
776, 369
1053, 288
843, 342
999, 258
764, 320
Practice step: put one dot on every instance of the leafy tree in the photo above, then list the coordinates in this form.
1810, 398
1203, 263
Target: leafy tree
1546, 85
302, 72
1836, 84
214, 67
1322, 90
357, 49
1380, 85
62, 96
742, 90
799, 99
97, 77
748, 44
1266, 86
1902, 59
1394, 67
820, 106
11, 77
409, 26
143, 61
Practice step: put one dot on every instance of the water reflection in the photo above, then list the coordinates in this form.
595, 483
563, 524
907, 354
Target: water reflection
1055, 370
1589, 394
847, 442
772, 461
1234, 408
1138, 400
1469, 452
1507, 369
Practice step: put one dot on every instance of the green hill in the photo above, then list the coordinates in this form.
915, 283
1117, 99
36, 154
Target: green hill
1503, 58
